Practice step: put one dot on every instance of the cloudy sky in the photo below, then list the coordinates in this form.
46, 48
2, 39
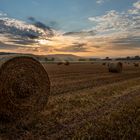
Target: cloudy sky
97, 28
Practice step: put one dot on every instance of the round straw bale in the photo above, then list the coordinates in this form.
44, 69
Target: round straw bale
104, 63
59, 63
136, 64
66, 63
115, 67
24, 88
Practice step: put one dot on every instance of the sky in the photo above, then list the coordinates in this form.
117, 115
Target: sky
91, 28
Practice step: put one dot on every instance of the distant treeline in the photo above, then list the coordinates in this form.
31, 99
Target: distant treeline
109, 59
10, 53
6, 53
129, 58
80, 59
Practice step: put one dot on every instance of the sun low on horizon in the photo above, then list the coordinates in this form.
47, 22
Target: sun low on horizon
91, 28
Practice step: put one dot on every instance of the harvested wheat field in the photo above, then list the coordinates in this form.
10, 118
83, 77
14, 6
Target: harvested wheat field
86, 102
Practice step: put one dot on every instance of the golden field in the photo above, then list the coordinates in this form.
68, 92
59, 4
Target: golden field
87, 102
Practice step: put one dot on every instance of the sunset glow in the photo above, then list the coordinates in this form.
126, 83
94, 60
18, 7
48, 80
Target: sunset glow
104, 29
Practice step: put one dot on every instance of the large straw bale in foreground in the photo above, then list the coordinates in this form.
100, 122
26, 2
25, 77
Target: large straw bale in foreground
115, 67
24, 88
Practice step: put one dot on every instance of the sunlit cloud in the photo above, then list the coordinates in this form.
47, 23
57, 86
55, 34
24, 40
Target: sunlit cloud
23, 36
115, 21
135, 10
75, 47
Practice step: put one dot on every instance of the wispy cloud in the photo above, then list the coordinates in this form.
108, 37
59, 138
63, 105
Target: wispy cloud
136, 9
2, 14
115, 21
75, 47
99, 1
81, 33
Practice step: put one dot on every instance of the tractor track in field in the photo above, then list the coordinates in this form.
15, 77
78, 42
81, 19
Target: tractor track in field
64, 86
76, 77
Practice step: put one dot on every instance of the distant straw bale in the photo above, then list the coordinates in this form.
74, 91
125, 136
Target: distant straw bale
115, 67
136, 64
66, 63
59, 63
24, 88
104, 63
